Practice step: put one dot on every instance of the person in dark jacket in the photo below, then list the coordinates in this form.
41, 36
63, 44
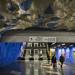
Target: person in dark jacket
61, 59
48, 57
54, 61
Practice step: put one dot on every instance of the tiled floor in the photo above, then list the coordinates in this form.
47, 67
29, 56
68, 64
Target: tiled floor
36, 68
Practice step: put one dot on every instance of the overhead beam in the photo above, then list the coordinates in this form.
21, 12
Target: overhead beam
21, 36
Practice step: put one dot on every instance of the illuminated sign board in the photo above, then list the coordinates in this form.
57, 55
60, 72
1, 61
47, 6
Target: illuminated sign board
42, 39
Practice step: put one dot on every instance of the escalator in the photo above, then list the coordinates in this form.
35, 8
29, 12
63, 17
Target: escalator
35, 52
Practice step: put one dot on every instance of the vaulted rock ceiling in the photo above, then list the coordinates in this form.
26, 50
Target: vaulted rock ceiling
64, 9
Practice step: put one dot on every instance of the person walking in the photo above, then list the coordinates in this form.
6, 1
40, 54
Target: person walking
54, 61
62, 59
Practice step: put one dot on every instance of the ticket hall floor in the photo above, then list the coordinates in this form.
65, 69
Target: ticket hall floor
36, 67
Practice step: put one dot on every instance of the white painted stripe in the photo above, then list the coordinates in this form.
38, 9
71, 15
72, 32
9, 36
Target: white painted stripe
15, 72
52, 72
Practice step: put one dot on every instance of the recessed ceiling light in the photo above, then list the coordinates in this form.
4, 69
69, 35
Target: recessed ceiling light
71, 45
59, 45
63, 44
54, 47
53, 43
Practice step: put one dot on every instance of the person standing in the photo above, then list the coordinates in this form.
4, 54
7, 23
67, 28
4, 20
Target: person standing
54, 61
61, 59
48, 56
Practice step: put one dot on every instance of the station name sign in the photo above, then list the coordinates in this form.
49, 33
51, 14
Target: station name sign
42, 39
